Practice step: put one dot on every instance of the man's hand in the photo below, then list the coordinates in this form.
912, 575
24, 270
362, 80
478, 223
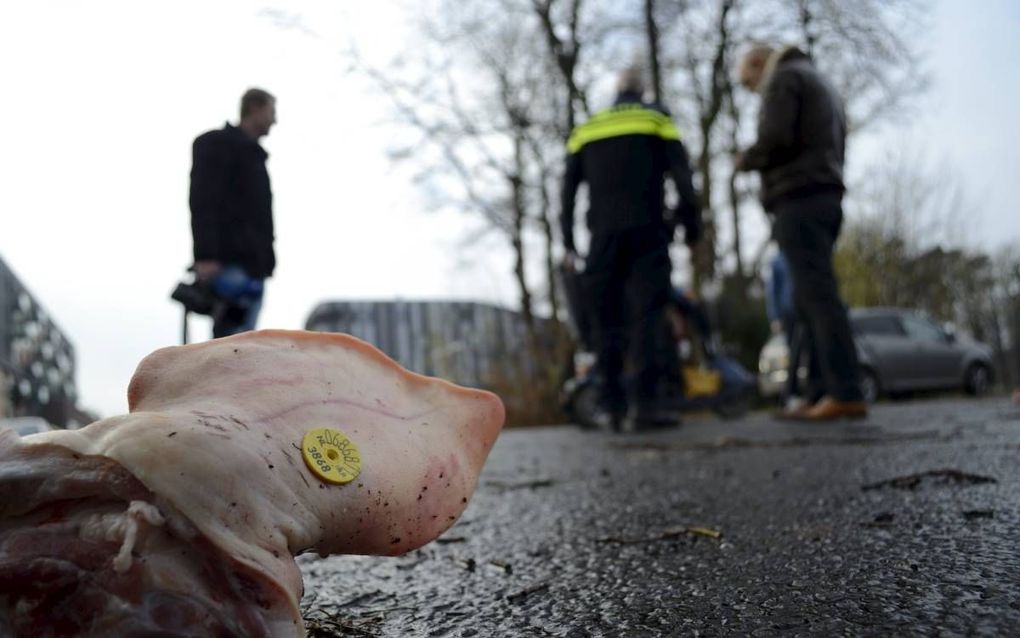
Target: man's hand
207, 269
776, 326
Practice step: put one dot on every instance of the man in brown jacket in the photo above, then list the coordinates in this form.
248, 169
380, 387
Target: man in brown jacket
799, 153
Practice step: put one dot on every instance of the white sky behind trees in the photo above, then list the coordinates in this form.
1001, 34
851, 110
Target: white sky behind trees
101, 100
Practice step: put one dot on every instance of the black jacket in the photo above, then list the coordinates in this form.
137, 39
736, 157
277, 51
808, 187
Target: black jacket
801, 132
624, 153
231, 202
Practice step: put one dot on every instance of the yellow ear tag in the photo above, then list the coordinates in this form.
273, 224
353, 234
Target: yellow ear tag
331, 456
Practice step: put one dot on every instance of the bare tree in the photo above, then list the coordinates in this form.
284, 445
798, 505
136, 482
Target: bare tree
472, 129
496, 86
867, 48
906, 245
736, 196
689, 46
654, 65
566, 51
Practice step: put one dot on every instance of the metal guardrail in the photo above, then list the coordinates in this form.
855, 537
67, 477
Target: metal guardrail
465, 342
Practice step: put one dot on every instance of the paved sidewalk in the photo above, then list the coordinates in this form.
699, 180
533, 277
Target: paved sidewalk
906, 524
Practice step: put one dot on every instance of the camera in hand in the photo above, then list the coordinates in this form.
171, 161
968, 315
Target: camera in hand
231, 292
197, 297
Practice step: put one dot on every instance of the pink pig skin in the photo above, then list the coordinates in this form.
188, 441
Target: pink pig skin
212, 446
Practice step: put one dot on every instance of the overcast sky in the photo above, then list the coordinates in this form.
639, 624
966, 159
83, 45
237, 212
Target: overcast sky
101, 101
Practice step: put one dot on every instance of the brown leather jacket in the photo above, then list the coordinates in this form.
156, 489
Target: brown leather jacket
801, 131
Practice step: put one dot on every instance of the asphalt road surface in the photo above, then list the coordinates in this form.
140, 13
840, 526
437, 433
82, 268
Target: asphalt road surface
905, 524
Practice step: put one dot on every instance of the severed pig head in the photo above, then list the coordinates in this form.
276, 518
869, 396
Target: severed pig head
183, 517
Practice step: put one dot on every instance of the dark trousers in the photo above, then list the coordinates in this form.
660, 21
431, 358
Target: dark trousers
793, 331
242, 314
627, 285
799, 345
235, 320
806, 229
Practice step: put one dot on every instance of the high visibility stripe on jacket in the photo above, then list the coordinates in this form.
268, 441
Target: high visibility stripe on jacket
624, 119
624, 154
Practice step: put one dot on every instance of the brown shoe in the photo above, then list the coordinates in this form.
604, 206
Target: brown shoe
829, 409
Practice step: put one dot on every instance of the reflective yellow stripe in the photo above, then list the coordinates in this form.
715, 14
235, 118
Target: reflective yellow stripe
669, 131
630, 120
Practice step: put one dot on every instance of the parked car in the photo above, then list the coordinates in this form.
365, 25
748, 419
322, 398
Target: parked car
26, 425
900, 350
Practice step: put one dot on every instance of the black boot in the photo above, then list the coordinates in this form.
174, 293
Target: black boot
650, 416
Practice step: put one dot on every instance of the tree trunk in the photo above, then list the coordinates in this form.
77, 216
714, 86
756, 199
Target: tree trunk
565, 55
704, 253
517, 237
734, 193
735, 211
997, 321
545, 223
1013, 363
711, 107
806, 20
563, 347
652, 31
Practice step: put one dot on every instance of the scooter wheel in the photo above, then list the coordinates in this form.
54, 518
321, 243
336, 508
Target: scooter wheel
584, 406
734, 408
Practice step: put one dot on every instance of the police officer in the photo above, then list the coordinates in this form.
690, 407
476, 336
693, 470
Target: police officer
624, 154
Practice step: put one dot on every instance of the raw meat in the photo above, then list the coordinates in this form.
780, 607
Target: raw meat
183, 517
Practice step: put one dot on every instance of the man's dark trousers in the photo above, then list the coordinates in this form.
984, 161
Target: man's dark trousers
806, 229
793, 331
627, 284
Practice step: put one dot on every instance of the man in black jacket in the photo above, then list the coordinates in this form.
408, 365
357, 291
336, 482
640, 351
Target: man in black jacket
232, 213
799, 153
624, 154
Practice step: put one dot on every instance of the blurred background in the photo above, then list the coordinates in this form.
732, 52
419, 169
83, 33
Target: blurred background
416, 168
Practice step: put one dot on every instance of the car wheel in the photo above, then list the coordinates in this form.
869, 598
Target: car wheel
869, 386
978, 380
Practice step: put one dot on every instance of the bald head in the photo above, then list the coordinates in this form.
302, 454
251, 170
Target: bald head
751, 67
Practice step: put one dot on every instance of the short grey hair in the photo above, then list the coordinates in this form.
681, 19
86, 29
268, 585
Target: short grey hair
756, 52
255, 98
631, 80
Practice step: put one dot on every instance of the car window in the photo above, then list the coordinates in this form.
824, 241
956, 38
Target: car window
878, 326
922, 330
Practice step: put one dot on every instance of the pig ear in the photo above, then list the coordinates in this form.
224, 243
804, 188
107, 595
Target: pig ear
179, 371
171, 374
143, 379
